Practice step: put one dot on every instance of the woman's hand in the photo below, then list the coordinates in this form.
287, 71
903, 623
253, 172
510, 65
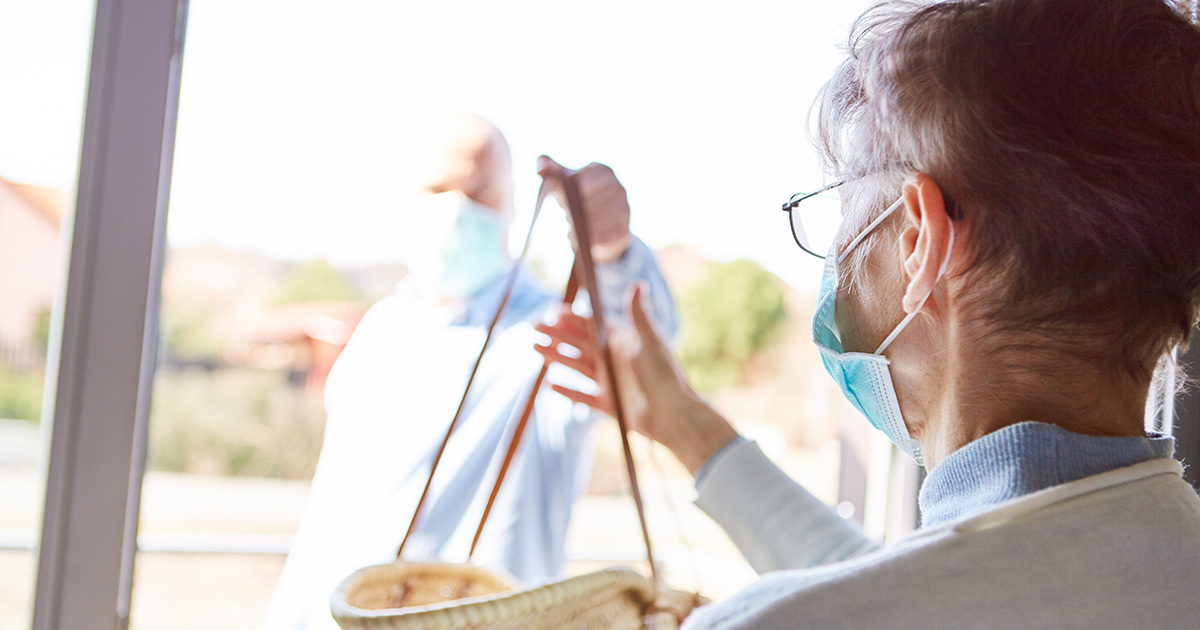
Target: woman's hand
657, 400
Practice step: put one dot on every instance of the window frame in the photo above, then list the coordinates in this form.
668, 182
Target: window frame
105, 324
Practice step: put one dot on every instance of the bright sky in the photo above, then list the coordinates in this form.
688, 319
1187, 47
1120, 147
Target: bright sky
291, 114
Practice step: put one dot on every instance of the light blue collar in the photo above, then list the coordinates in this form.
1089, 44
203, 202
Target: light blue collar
528, 300
1022, 459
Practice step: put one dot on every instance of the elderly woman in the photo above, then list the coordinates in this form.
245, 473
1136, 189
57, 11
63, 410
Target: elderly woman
1020, 248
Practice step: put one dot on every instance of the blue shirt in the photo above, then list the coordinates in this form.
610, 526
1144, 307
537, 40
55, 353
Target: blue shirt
1022, 459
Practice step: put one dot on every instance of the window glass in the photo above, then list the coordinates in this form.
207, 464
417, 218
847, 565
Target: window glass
289, 185
44, 52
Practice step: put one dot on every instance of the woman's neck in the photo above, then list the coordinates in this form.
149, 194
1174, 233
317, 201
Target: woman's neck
973, 391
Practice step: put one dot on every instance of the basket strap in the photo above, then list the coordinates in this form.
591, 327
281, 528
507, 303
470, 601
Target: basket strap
543, 192
584, 272
518, 432
587, 269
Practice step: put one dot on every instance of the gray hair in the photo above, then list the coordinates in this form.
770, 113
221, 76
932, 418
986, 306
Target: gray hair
1065, 135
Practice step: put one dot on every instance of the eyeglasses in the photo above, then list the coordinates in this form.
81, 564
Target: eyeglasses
815, 226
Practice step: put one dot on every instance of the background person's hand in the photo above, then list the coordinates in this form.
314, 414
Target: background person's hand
604, 201
655, 395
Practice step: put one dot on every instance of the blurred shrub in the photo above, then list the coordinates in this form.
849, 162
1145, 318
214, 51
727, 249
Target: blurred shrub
317, 281
234, 422
20, 395
727, 317
186, 331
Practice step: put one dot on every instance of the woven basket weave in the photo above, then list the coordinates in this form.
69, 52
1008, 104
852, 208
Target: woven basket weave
464, 597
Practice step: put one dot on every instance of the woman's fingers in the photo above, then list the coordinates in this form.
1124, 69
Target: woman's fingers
599, 403
576, 332
656, 358
557, 334
635, 305
571, 329
581, 364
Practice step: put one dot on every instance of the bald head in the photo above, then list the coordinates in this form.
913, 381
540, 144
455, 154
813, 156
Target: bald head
465, 153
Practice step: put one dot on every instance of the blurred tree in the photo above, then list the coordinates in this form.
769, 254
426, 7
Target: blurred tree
317, 281
727, 317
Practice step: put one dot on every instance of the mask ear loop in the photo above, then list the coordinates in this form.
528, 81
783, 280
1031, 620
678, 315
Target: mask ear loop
908, 318
870, 228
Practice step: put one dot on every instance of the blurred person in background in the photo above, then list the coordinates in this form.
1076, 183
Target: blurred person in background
395, 388
1019, 250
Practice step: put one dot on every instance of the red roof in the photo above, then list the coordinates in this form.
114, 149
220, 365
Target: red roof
47, 201
329, 322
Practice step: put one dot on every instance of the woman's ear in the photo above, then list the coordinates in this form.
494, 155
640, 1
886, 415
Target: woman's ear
924, 239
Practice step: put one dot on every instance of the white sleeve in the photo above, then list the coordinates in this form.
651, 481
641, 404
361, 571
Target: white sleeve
775, 522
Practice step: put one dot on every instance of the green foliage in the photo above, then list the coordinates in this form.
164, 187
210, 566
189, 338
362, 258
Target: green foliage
317, 281
186, 329
20, 395
41, 329
236, 422
729, 316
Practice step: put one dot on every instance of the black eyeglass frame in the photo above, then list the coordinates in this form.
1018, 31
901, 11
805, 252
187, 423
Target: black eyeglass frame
795, 200
952, 207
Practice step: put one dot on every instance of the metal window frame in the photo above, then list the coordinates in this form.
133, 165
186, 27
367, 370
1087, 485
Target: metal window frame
1187, 416
1187, 404
105, 324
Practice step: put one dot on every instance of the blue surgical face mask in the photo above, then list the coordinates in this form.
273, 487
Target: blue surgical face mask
865, 378
458, 247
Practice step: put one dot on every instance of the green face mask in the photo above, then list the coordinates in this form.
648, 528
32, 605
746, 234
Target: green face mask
461, 249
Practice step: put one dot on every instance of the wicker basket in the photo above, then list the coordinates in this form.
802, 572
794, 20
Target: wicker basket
461, 597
